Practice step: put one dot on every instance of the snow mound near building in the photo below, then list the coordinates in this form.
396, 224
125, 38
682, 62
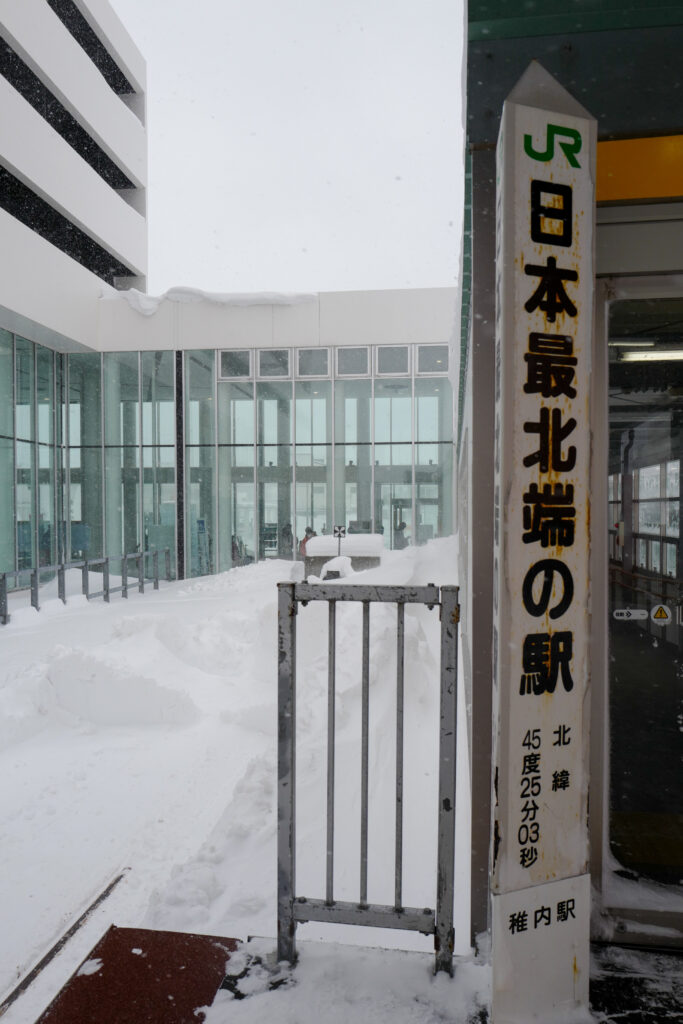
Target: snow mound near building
107, 693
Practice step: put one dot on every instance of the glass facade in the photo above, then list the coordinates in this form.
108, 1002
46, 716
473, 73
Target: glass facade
273, 441
645, 628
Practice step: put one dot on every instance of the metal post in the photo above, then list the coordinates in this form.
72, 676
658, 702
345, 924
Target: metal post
124, 576
155, 568
168, 564
84, 580
365, 732
140, 558
105, 580
400, 630
332, 631
34, 590
443, 937
4, 613
61, 583
286, 838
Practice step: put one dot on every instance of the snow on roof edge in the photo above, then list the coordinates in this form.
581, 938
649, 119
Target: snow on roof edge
148, 305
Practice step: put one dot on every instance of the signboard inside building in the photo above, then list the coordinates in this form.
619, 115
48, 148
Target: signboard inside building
544, 322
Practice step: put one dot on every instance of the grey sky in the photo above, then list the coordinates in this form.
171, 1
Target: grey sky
302, 145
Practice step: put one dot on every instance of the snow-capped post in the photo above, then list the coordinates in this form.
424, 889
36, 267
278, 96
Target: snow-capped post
544, 320
340, 532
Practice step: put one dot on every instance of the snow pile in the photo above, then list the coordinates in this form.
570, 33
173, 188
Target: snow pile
148, 305
142, 734
104, 693
335, 984
368, 544
341, 565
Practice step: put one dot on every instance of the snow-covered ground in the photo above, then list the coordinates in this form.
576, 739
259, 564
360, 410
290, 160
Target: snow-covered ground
142, 736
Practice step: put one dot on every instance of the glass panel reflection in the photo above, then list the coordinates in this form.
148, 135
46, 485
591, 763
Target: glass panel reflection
353, 413
433, 409
433, 494
236, 423
645, 449
158, 397
25, 505
45, 394
121, 398
200, 465
353, 487
393, 408
6, 383
7, 531
393, 504
200, 367
159, 500
236, 507
24, 389
122, 497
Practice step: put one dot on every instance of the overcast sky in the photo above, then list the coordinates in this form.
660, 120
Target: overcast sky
302, 145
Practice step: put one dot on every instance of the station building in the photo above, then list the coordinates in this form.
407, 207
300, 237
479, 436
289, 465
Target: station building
622, 63
217, 426
222, 426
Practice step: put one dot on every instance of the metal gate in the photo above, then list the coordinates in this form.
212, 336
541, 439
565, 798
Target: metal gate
293, 908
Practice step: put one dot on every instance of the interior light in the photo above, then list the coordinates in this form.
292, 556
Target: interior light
630, 343
659, 356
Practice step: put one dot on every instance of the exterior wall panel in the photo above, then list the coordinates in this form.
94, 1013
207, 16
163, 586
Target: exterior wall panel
102, 19
183, 320
387, 317
50, 167
38, 283
43, 42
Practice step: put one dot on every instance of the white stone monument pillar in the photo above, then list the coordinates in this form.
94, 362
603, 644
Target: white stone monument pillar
544, 324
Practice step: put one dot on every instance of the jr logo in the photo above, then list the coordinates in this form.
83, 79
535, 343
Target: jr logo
556, 131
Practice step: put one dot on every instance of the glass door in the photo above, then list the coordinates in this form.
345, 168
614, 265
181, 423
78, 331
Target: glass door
643, 858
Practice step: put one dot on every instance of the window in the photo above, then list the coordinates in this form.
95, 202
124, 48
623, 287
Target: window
392, 359
352, 362
432, 359
235, 363
273, 362
313, 362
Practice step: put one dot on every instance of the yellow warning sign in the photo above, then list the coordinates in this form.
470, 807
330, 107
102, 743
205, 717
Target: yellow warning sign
661, 614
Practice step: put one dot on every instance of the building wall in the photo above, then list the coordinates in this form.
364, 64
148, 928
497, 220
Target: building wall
128, 425
73, 164
223, 456
186, 319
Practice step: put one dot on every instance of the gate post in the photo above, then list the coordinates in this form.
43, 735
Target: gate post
286, 792
444, 935
4, 614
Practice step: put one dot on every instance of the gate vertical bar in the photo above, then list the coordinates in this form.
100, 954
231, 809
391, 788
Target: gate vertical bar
155, 568
61, 582
443, 938
332, 642
34, 590
365, 723
286, 791
105, 580
124, 576
4, 615
400, 649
